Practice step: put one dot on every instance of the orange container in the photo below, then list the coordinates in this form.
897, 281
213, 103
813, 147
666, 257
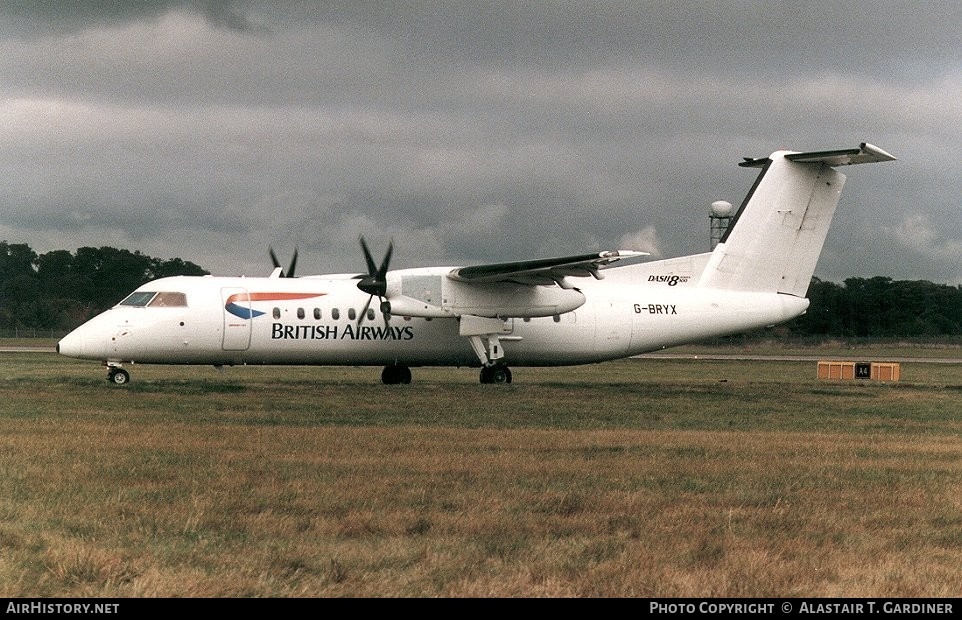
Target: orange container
836, 370
878, 371
886, 371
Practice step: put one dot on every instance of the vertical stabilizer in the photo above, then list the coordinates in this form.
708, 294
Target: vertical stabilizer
775, 239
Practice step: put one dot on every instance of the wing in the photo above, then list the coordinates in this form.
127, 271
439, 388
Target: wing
546, 271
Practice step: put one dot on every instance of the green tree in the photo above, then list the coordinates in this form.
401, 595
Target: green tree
176, 267
19, 288
60, 290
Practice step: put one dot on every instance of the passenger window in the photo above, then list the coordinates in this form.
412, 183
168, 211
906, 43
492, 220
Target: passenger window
370, 314
351, 314
335, 314
557, 318
317, 313
300, 313
277, 313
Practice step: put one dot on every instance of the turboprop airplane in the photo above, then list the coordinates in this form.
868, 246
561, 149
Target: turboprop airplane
548, 312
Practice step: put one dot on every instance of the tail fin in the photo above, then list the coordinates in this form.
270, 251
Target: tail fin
776, 237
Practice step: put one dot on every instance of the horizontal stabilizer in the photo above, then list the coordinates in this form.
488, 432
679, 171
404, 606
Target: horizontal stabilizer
864, 154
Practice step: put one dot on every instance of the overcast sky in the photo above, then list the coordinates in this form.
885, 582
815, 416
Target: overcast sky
470, 131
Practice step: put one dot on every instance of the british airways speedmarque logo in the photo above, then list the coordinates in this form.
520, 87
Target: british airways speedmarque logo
247, 312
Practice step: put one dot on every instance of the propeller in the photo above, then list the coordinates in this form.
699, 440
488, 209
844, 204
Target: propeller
290, 270
375, 282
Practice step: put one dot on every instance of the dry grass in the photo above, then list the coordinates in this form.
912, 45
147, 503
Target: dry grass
648, 478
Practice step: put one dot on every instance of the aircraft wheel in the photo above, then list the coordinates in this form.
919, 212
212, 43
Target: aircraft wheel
118, 376
499, 373
395, 374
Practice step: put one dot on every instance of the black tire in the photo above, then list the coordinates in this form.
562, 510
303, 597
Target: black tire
499, 373
118, 376
396, 374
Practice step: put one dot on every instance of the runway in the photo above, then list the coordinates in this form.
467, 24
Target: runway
800, 358
28, 350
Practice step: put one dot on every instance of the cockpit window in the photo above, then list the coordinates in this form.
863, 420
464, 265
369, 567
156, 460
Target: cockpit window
169, 300
138, 299
141, 299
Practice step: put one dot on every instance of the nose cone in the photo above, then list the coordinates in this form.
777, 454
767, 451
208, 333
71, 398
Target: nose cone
80, 344
71, 345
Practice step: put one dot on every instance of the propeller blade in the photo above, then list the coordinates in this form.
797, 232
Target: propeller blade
360, 317
382, 272
274, 260
375, 282
290, 271
371, 268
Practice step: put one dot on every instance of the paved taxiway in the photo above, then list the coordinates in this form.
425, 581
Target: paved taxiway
800, 358
28, 350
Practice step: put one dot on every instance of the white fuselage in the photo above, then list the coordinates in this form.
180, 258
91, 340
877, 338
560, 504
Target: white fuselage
314, 320
544, 312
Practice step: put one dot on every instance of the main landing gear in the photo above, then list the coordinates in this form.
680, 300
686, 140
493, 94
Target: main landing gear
496, 373
396, 374
483, 334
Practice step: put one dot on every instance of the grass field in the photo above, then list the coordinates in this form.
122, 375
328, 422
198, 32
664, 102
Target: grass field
651, 478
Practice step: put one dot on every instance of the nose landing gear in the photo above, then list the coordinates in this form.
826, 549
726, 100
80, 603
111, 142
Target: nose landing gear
117, 375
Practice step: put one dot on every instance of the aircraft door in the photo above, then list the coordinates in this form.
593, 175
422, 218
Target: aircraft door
614, 328
237, 318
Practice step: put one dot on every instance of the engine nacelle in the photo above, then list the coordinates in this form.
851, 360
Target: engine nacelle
435, 296
506, 299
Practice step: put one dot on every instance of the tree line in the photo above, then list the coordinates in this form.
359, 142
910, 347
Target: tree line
59, 290
881, 307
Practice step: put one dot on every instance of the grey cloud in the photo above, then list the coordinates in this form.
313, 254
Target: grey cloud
467, 131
